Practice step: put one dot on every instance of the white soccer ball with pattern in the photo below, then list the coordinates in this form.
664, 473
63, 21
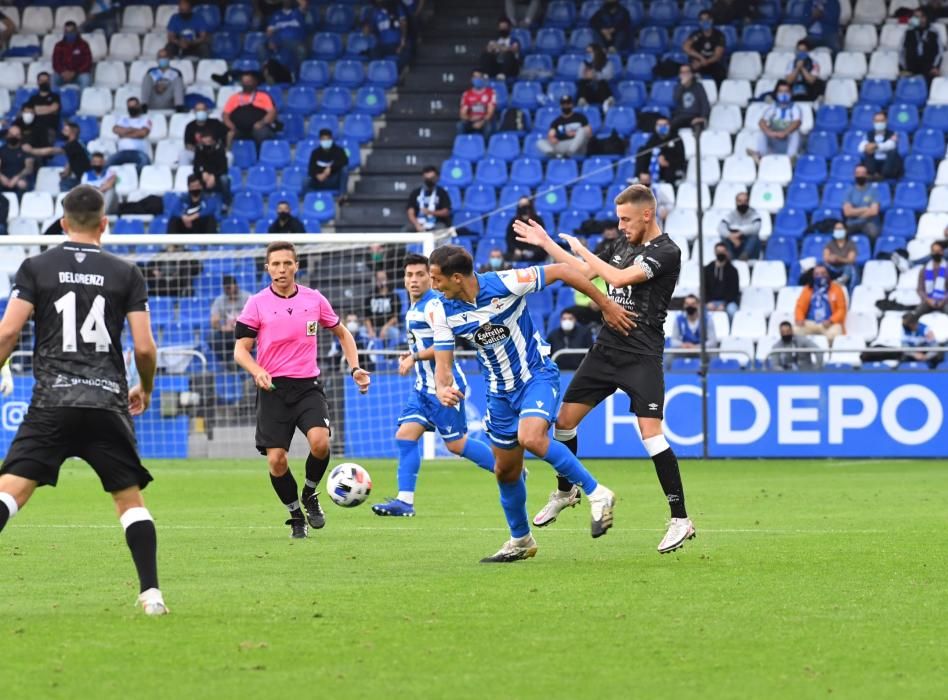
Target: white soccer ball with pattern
349, 485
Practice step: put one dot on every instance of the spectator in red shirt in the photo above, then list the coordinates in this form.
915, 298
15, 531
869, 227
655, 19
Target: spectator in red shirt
478, 105
72, 59
249, 114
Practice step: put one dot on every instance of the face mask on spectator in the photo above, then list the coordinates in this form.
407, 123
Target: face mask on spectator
879, 126
705, 24
915, 22
247, 87
504, 32
195, 192
662, 129
201, 115
496, 263
283, 215
478, 83
44, 87
861, 180
937, 257
163, 63
567, 324
802, 54
783, 97
325, 143
691, 310
721, 257
70, 36
185, 14
430, 182
134, 111
28, 117
524, 211
97, 169
354, 327
821, 282
743, 208
787, 339
839, 233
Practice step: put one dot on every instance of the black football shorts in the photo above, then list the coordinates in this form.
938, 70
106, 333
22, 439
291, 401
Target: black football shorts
293, 403
604, 370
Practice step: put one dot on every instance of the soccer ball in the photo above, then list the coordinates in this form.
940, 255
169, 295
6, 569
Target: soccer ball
349, 485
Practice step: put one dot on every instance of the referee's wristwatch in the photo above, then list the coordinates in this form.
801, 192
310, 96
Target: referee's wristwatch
354, 370
414, 356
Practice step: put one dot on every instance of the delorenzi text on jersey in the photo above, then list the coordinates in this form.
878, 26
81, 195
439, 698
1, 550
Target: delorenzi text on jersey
79, 278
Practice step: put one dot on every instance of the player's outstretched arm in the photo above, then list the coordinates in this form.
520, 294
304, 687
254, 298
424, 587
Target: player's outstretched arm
351, 352
532, 233
17, 314
146, 361
614, 315
614, 276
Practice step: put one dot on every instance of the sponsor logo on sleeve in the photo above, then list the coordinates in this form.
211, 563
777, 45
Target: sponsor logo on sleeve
527, 275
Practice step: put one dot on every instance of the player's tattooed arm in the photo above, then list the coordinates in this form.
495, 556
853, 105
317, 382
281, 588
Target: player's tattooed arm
614, 276
532, 233
617, 318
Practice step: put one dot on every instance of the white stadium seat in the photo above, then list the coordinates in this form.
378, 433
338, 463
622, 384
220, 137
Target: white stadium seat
941, 177
938, 199
137, 19
745, 65
764, 346
711, 238
850, 64
153, 43
123, 94
890, 329
12, 75
754, 114
777, 64
739, 169
181, 178
775, 168
137, 70
847, 350
95, 101
69, 13
748, 324
739, 349
124, 47
908, 279
163, 13
34, 68
735, 92
110, 74
884, 65
723, 118
938, 324
687, 197
36, 20
47, 180
776, 318
767, 196
711, 90
788, 36
167, 152
841, 91
185, 67
98, 45
13, 14
126, 179
159, 127
36, 205
862, 324
225, 93
861, 37
209, 66
932, 226
824, 57
710, 170
4, 101
938, 94
905, 296
682, 222
865, 298
689, 281
845, 12
49, 44
746, 138
880, 273
156, 179
869, 12
787, 298
13, 206
23, 41
724, 195
722, 324
716, 143
23, 227
891, 36
106, 126
743, 273
758, 299
764, 87
769, 274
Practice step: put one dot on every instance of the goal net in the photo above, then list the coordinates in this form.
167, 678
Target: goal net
204, 405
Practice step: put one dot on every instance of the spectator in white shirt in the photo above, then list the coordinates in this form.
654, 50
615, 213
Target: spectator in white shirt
880, 150
779, 126
132, 130
103, 178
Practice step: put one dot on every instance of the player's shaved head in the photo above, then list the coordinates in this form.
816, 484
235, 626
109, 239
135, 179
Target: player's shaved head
83, 210
636, 195
281, 245
452, 260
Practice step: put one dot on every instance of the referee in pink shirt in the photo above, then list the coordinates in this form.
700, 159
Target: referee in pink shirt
282, 320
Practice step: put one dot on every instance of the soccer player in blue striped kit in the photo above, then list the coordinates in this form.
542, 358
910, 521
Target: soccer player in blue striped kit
523, 395
423, 411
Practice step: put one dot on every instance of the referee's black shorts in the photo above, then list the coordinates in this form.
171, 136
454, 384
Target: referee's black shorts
293, 403
604, 370
104, 439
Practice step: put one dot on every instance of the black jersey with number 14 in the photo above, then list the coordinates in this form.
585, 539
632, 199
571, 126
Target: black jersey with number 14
80, 296
660, 259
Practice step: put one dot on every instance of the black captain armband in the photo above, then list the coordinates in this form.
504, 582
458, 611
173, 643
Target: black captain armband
242, 330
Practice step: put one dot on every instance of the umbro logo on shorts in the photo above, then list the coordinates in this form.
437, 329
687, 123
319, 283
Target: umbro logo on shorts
653, 407
326, 421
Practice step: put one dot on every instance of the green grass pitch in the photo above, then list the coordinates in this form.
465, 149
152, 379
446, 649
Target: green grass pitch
825, 579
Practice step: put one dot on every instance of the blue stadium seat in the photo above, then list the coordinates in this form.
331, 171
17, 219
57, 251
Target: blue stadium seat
652, 40
320, 206
571, 220
636, 11
757, 37
245, 153
225, 45
130, 226
594, 116
158, 224
630, 93
537, 66
526, 94
920, 169
504, 145
468, 223
540, 306
326, 46
336, 100
234, 224
261, 179
359, 46
861, 119
275, 152
929, 142
903, 117
294, 128
497, 224
358, 127
174, 333
339, 18
622, 119
501, 95
681, 33
294, 178
247, 205
561, 170
468, 146
935, 117
913, 91
557, 88
663, 93
790, 223
685, 364
348, 74
509, 194
768, 12
586, 198
211, 14
797, 11
351, 147
491, 171
803, 195
318, 122
88, 127
480, 198
834, 194
863, 248
692, 8
663, 13
912, 195
598, 171
899, 221
312, 224
544, 118
824, 214
883, 194
639, 67
813, 246
781, 248
522, 36
253, 41
580, 38
550, 41
161, 309
383, 74
822, 143
831, 118
282, 195
876, 92
302, 100
587, 10
238, 18
229, 387
842, 167
851, 140
457, 172
370, 100
551, 200
526, 171
560, 14
887, 243
810, 169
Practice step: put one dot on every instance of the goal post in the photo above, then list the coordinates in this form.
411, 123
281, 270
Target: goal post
204, 405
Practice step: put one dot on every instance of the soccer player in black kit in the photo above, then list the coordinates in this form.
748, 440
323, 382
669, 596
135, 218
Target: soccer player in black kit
641, 270
80, 297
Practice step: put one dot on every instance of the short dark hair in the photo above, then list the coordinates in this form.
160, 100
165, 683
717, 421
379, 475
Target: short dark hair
83, 208
414, 259
452, 260
705, 13
280, 245
909, 317
132, 99
97, 154
228, 280
194, 177
283, 201
325, 132
690, 296
41, 74
787, 324
781, 83
68, 24
805, 43
430, 169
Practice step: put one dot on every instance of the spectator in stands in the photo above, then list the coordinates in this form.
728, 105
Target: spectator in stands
429, 206
383, 311
495, 262
705, 49
103, 178
931, 281
35, 139
385, 20
72, 59
610, 233
362, 341
17, 167
663, 203
691, 101
686, 331
327, 164
821, 307
823, 23
779, 126
7, 29
839, 256
517, 250
740, 229
613, 23
570, 335
569, 133
48, 108
861, 208
104, 15
224, 312
595, 73
188, 34
202, 122
803, 74
501, 59
285, 222
880, 150
198, 213
793, 361
478, 106
132, 129
922, 48
163, 86
722, 287
286, 36
210, 162
77, 158
916, 334
250, 113
663, 155
529, 14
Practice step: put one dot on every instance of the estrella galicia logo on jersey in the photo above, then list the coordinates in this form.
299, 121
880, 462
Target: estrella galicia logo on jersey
311, 328
490, 334
79, 257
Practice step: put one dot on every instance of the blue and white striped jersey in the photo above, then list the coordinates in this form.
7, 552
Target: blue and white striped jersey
421, 337
510, 350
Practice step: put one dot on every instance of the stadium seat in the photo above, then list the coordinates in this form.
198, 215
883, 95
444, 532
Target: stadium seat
919, 169
480, 198
326, 46
880, 273
457, 172
823, 144
275, 153
869, 12
492, 172
687, 196
847, 352
468, 146
550, 41
320, 206
597, 171
370, 100
725, 118
504, 145
884, 65
313, 74
749, 324
745, 65
841, 91
803, 195
832, 118
811, 169
652, 40
560, 14
526, 171
383, 74
639, 66
586, 197
842, 167
358, 127
875, 92
339, 18
782, 248
95, 101
758, 299
261, 179
560, 171
790, 223
788, 36
359, 46
766, 196
155, 179
913, 91
348, 74
336, 100
663, 93
551, 200
739, 168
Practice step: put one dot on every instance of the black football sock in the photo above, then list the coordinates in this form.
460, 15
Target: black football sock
142, 540
288, 493
8, 508
568, 438
315, 468
669, 476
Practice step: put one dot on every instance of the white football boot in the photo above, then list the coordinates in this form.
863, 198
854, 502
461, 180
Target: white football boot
513, 550
559, 500
679, 530
601, 503
152, 602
